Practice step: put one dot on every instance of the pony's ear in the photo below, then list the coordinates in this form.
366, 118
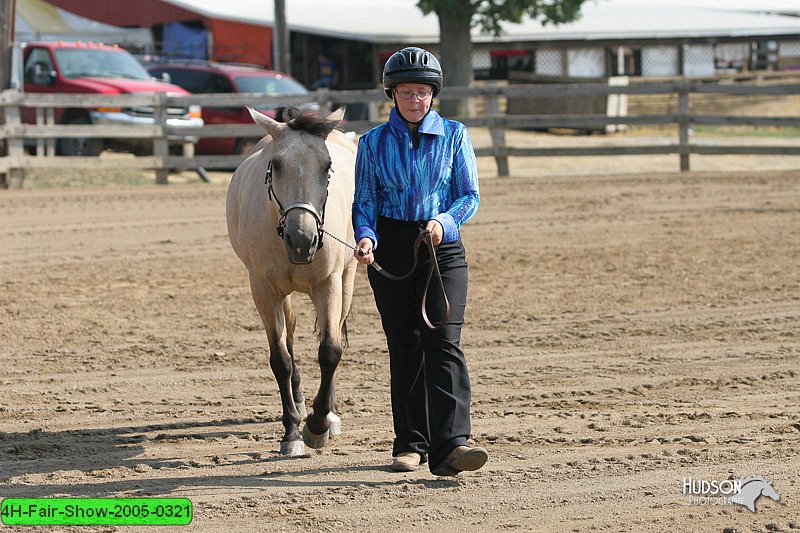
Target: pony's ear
336, 117
272, 127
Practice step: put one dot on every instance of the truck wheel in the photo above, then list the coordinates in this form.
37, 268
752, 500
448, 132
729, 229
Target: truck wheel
79, 146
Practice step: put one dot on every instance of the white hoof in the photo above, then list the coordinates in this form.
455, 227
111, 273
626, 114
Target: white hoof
314, 441
301, 408
293, 448
335, 427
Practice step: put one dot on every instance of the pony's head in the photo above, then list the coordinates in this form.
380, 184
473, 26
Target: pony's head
298, 171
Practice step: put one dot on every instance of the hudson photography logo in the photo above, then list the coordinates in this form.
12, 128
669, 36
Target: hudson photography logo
744, 491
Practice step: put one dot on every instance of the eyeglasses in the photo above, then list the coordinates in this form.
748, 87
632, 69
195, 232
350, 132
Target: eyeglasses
405, 94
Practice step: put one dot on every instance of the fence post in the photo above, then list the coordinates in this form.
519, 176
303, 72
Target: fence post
45, 147
497, 133
373, 111
16, 150
160, 142
50, 120
323, 97
683, 125
40, 118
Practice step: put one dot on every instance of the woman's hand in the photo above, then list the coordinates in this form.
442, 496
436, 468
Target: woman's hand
363, 251
436, 230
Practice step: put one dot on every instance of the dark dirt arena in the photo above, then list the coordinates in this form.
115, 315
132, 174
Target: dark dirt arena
628, 327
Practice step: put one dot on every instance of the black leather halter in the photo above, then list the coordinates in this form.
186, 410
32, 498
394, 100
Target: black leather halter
319, 215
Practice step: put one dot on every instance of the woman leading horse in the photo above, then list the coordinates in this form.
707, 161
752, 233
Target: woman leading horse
417, 173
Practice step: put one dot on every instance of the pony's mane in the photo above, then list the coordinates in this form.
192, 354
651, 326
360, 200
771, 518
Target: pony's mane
301, 121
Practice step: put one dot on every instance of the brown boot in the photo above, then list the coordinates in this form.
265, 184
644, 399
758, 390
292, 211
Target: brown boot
460, 459
405, 462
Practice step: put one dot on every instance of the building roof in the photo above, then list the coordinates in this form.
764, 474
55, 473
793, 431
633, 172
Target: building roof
751, 6
625, 19
37, 20
393, 21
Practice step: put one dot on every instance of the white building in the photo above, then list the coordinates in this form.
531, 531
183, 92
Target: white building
649, 38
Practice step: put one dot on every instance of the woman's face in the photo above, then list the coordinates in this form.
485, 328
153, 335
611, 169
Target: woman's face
413, 100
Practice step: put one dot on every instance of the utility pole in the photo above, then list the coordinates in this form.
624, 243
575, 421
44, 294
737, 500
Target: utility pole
280, 39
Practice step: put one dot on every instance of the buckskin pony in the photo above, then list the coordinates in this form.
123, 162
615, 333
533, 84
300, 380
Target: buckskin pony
299, 181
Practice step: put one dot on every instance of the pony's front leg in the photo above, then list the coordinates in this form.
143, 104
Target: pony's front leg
327, 300
290, 321
280, 360
281, 363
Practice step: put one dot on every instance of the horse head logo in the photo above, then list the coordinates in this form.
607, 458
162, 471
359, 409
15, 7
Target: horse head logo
752, 488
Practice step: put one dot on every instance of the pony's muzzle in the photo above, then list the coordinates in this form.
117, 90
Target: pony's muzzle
301, 237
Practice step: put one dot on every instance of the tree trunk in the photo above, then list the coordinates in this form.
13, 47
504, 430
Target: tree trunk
456, 51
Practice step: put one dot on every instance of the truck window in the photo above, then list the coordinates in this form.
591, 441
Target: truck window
270, 86
196, 82
221, 84
82, 62
38, 66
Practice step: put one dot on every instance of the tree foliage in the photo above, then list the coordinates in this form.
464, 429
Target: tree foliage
488, 14
458, 17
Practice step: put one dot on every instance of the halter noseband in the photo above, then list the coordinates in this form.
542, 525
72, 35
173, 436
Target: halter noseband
319, 216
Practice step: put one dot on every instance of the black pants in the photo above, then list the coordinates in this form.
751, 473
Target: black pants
430, 384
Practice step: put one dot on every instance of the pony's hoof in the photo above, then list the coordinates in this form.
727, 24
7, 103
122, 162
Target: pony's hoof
293, 448
335, 427
301, 408
314, 441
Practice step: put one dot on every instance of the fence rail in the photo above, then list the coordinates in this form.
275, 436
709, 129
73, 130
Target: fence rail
45, 132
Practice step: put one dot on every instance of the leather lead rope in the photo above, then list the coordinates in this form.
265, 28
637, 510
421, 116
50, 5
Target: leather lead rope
423, 237
433, 266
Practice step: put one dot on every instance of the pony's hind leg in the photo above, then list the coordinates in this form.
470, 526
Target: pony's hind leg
270, 307
348, 277
291, 321
327, 300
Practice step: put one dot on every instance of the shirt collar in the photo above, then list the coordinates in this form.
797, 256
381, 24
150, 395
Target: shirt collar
432, 123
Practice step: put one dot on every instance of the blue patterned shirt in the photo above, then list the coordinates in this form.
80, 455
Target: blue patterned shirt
432, 176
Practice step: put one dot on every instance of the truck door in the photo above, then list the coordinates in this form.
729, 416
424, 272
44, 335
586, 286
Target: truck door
39, 76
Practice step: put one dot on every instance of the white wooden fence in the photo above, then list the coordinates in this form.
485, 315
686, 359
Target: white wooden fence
45, 132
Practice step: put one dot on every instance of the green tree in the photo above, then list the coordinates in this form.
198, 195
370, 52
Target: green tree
458, 17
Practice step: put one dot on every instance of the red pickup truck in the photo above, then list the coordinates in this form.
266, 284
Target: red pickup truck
71, 67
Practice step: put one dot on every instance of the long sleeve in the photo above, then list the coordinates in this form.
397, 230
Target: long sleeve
464, 188
431, 177
365, 202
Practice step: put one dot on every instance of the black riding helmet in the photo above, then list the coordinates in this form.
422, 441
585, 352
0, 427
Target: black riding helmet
412, 65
